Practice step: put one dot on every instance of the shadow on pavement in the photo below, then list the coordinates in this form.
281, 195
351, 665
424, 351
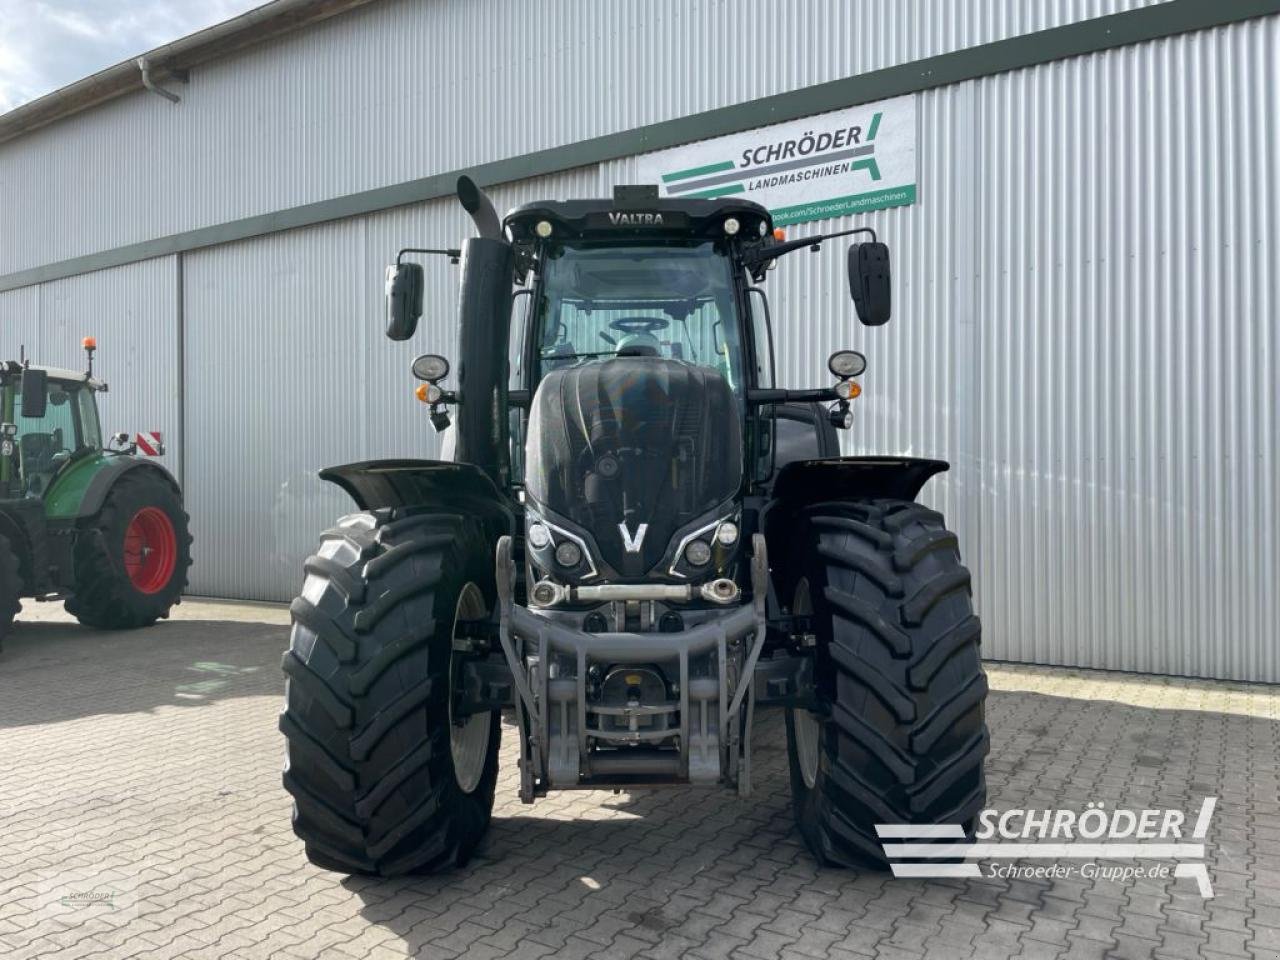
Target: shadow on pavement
54, 671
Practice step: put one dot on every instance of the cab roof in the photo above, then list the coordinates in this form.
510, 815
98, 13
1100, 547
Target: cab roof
639, 215
12, 367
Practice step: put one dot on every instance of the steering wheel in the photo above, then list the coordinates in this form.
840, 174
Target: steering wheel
640, 324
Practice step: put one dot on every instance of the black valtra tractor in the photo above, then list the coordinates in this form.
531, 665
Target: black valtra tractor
638, 541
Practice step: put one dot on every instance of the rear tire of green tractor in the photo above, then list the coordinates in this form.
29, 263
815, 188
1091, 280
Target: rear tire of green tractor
10, 587
898, 734
130, 561
384, 781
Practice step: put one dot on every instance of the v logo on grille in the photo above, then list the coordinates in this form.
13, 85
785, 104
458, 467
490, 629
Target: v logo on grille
632, 544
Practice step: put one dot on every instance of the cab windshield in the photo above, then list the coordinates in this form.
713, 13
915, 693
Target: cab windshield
674, 301
68, 426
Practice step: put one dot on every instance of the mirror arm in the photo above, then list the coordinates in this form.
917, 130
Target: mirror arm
453, 255
766, 396
761, 255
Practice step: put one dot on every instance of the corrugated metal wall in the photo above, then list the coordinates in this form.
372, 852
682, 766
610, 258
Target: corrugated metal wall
389, 93
1085, 295
1129, 422
132, 311
305, 379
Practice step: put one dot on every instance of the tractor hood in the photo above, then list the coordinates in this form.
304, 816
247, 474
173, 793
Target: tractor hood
634, 452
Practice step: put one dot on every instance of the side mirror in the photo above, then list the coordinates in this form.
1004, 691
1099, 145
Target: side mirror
404, 299
35, 386
869, 282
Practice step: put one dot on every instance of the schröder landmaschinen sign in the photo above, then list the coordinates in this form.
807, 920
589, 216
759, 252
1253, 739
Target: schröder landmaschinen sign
847, 161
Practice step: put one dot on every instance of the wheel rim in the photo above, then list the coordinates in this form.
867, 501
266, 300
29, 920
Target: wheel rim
805, 726
469, 737
150, 550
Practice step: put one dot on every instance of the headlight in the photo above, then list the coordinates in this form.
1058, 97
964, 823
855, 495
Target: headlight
713, 541
553, 548
727, 533
698, 552
568, 554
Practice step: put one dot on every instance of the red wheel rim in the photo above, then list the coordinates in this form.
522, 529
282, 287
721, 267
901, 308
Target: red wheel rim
150, 550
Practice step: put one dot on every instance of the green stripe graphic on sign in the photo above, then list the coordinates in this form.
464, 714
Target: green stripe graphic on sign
724, 191
839, 206
875, 125
697, 171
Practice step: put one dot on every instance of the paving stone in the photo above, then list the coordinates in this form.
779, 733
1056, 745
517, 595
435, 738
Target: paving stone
152, 760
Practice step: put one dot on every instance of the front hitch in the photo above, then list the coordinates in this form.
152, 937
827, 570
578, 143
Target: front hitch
567, 740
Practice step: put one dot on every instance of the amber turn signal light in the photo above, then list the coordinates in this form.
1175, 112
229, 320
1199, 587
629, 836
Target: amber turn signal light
848, 390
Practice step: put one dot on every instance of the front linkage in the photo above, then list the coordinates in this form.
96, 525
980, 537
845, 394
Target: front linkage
696, 730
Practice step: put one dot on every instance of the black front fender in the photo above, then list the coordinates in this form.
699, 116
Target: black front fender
854, 478
839, 480
396, 484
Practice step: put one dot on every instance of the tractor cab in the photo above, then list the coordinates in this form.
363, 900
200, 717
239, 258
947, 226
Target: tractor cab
639, 277
48, 418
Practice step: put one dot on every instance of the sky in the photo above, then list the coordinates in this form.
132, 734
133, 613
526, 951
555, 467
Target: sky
47, 44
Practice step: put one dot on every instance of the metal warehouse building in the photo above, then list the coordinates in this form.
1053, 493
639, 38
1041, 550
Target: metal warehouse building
1085, 270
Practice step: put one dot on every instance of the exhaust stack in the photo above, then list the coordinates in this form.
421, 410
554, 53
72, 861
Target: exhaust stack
480, 207
488, 268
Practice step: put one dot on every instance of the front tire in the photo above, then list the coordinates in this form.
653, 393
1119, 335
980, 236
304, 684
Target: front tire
384, 780
10, 587
898, 734
130, 561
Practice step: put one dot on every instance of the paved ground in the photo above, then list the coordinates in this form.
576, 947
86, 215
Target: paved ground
143, 816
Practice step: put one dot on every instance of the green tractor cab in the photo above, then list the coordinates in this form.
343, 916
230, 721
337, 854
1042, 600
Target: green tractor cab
89, 522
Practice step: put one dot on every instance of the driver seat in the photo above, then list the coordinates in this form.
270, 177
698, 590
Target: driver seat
639, 345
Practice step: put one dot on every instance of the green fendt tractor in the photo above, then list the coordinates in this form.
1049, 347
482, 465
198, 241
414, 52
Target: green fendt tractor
639, 539
102, 528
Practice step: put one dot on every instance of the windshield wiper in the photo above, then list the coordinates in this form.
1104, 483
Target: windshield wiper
574, 356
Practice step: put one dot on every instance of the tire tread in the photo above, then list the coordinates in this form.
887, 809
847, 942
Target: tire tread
369, 761
904, 735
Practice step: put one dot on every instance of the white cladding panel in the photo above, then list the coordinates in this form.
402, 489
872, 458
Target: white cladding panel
304, 379
391, 92
1126, 295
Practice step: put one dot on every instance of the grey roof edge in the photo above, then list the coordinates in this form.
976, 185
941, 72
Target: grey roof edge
171, 60
1077, 39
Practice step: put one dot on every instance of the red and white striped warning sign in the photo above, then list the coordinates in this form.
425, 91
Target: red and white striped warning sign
150, 444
